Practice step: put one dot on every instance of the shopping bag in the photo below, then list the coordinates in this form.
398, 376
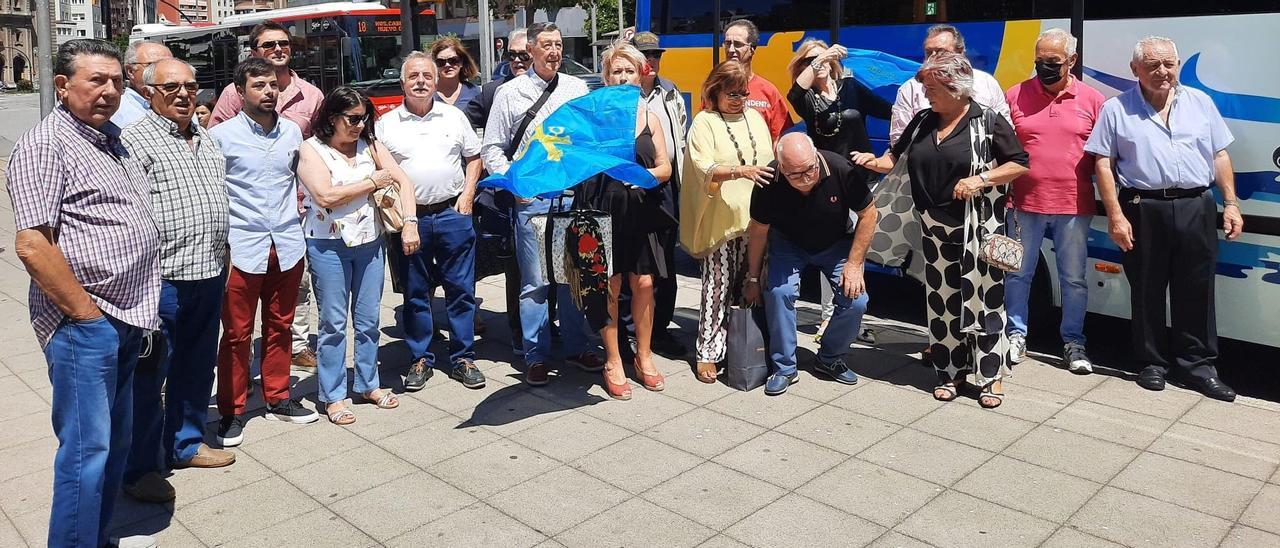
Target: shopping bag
747, 356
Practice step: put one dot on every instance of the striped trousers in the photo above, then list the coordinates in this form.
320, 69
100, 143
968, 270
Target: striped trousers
724, 273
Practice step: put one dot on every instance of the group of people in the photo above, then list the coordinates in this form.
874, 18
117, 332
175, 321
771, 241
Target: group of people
148, 229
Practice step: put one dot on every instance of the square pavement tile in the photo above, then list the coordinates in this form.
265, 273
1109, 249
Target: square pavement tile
374, 424
438, 440
25, 494
704, 432
821, 389
164, 528
1134, 520
887, 402
247, 510
1072, 453
24, 458
639, 523
643, 412
713, 495
397, 507
1067, 537
33, 528
1264, 512
780, 459
518, 409
570, 436
926, 456
475, 525
196, 484
1211, 491
29, 361
300, 445
29, 427
838, 429
448, 395
558, 500
1166, 404
1238, 418
761, 410
965, 422
721, 541
1028, 488
894, 539
492, 468
955, 519
316, 528
1215, 449
808, 523
1051, 379
352, 472
637, 463
1248, 537
871, 491
1109, 423
686, 387
20, 401
1030, 404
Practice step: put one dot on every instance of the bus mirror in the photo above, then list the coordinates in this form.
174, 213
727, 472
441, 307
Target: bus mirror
345, 43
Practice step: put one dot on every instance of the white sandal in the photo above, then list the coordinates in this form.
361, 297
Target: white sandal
387, 401
342, 417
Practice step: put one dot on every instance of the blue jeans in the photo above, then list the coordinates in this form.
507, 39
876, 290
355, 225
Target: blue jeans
1070, 247
533, 295
782, 286
346, 280
162, 435
448, 258
91, 369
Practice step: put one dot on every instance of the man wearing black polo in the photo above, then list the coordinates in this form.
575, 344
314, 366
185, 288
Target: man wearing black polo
804, 217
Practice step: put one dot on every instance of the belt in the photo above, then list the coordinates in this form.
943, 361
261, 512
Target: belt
436, 207
1134, 194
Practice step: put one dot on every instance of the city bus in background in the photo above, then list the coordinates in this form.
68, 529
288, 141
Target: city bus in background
1225, 47
338, 43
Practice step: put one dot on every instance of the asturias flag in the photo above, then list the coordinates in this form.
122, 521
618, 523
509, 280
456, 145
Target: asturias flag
880, 72
593, 134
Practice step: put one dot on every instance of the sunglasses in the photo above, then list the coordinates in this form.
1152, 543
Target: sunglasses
282, 44
519, 56
355, 119
448, 61
173, 87
736, 95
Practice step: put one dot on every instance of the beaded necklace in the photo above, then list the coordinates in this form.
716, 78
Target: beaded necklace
820, 104
755, 153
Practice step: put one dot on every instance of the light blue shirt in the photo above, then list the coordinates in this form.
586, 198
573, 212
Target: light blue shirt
262, 191
133, 107
1149, 155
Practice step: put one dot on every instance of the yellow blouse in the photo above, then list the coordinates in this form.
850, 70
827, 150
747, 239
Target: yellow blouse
707, 220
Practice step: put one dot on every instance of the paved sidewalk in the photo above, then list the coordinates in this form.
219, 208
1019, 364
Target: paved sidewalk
1067, 461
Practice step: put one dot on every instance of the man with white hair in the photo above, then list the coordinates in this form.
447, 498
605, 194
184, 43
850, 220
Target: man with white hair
802, 215
1053, 114
911, 100
1162, 216
186, 174
133, 102
433, 141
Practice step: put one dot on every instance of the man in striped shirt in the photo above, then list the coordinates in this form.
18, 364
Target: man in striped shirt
187, 176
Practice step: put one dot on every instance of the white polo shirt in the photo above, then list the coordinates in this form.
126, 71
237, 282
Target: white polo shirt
430, 148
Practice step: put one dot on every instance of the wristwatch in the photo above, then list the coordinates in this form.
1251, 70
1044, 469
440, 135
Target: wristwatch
986, 179
410, 219
1228, 203
753, 279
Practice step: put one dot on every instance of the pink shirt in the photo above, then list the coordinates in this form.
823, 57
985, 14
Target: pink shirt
297, 103
1053, 130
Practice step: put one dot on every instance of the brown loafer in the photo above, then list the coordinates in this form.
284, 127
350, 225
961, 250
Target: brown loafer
306, 359
537, 375
207, 457
151, 488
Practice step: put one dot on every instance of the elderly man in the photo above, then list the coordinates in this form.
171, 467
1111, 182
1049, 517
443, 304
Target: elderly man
803, 218
298, 102
86, 235
518, 60
1053, 113
1162, 216
261, 150
187, 176
911, 99
133, 104
433, 140
540, 92
741, 38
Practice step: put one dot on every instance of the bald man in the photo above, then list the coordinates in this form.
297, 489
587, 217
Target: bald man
804, 215
133, 102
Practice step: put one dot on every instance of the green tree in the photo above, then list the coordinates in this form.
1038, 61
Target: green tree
607, 13
121, 41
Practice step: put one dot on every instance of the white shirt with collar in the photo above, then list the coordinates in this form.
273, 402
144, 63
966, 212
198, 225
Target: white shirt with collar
133, 107
511, 102
911, 100
431, 149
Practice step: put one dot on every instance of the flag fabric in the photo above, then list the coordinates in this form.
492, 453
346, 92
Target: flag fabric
587, 136
880, 72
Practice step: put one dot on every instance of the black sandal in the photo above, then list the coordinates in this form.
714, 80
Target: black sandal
951, 389
989, 394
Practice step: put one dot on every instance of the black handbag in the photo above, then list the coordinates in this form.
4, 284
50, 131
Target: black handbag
747, 355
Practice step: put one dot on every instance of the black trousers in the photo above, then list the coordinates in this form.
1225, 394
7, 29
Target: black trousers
1174, 255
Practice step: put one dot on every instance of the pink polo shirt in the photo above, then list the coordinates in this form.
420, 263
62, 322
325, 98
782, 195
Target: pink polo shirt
1053, 131
298, 103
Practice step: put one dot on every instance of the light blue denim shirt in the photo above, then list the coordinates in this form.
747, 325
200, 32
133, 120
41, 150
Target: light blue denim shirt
133, 107
1149, 155
262, 191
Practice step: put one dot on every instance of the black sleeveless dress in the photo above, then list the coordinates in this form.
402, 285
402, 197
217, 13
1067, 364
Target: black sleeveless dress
637, 215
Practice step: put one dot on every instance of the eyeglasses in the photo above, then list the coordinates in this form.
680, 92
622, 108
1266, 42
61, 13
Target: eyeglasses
448, 61
171, 88
268, 46
519, 56
804, 174
736, 95
733, 44
355, 119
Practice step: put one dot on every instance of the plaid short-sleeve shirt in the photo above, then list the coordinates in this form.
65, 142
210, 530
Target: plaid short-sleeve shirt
84, 184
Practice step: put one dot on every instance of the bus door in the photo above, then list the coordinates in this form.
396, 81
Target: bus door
324, 61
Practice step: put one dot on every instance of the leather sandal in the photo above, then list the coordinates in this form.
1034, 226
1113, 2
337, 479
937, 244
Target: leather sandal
342, 417
707, 372
617, 391
950, 391
387, 401
990, 399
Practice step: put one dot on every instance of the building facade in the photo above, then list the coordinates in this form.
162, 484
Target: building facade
16, 42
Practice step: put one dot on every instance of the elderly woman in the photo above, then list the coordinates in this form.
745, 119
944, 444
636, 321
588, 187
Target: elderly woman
729, 152
960, 193
456, 70
638, 216
340, 167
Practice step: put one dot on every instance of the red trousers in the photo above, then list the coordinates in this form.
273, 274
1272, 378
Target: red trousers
278, 291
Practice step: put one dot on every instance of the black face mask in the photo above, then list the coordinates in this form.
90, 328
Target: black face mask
1049, 73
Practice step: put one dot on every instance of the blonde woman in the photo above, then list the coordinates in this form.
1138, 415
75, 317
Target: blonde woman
728, 154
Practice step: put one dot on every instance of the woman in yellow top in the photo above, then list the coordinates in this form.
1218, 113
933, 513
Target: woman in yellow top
729, 151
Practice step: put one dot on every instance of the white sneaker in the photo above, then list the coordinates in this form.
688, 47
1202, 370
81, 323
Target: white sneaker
1017, 347
136, 541
1076, 359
